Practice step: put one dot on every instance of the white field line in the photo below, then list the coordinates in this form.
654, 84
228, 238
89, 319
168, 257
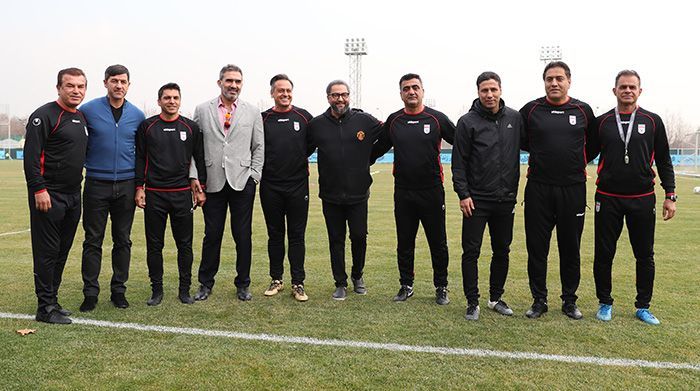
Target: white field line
592, 360
15, 233
375, 172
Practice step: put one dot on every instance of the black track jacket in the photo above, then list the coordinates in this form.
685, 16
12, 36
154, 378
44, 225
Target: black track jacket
164, 150
416, 139
556, 137
648, 143
486, 154
54, 149
344, 150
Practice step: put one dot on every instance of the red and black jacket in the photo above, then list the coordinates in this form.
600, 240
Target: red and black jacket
164, 151
54, 149
556, 137
416, 139
648, 144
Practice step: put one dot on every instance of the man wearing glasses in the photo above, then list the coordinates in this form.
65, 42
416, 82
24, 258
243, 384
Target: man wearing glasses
344, 139
234, 155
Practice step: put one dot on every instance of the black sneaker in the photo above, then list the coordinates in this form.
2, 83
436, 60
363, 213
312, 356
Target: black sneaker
405, 292
54, 316
359, 286
185, 297
89, 304
538, 308
155, 299
441, 295
571, 310
119, 300
472, 312
62, 310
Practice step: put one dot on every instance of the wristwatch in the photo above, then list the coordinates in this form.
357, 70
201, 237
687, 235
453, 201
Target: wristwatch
672, 196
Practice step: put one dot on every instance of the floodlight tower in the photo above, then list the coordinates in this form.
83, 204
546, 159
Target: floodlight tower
355, 48
550, 53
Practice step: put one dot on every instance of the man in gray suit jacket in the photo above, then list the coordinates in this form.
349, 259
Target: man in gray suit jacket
234, 155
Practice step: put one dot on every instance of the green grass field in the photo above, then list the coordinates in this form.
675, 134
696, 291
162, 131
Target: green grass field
88, 357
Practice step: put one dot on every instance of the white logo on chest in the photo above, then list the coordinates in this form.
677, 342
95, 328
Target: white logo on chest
641, 128
296, 126
572, 119
183, 135
426, 128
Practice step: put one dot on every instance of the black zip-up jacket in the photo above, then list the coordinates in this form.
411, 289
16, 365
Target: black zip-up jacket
486, 154
54, 149
164, 150
344, 151
556, 137
417, 140
648, 144
286, 162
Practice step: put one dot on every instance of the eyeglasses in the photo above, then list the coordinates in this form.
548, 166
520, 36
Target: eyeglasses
335, 95
227, 120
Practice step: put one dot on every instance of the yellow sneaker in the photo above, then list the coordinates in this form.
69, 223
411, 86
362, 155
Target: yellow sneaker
275, 287
298, 293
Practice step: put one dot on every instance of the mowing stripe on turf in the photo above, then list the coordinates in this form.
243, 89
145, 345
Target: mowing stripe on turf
620, 362
15, 233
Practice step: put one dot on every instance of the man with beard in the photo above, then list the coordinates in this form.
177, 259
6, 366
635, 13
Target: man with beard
344, 138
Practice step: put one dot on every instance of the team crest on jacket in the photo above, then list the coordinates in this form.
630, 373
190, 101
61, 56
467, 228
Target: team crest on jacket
296, 126
183, 135
641, 128
360, 135
426, 128
572, 119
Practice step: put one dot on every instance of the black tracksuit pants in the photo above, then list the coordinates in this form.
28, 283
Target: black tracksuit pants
355, 216
427, 207
116, 200
499, 216
52, 236
640, 215
291, 204
546, 207
160, 205
218, 205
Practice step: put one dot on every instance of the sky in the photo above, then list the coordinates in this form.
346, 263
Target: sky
447, 43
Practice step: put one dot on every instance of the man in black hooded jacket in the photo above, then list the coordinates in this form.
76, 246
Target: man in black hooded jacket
485, 173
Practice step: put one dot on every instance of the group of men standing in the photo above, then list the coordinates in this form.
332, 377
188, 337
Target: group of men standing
170, 165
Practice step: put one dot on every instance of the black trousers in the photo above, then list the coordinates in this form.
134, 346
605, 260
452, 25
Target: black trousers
355, 216
640, 215
499, 216
100, 199
52, 236
426, 207
160, 205
293, 205
546, 207
240, 205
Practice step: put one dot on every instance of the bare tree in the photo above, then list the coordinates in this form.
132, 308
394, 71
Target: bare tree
677, 130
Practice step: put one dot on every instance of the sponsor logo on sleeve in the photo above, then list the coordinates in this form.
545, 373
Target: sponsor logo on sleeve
36, 121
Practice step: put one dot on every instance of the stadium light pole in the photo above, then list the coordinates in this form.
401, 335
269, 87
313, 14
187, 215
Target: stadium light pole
550, 53
697, 133
355, 48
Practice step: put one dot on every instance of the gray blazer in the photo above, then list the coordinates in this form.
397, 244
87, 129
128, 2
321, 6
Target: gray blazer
235, 157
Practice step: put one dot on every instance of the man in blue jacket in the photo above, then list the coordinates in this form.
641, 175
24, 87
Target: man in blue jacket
109, 186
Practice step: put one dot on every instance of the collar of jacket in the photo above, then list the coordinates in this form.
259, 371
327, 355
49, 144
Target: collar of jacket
348, 114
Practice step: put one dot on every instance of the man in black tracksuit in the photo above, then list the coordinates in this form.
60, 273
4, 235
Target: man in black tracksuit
284, 189
630, 140
556, 129
344, 139
54, 154
165, 146
416, 133
485, 173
